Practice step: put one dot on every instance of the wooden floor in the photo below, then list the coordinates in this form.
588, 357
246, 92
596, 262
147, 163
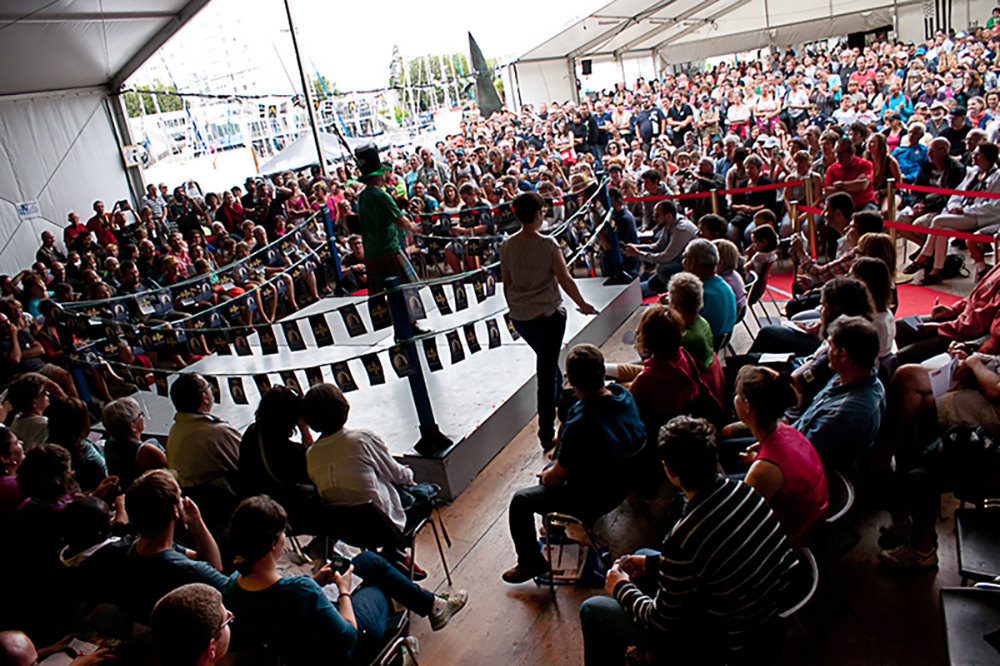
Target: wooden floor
861, 614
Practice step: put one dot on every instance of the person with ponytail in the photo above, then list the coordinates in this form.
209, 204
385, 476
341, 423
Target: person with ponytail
293, 617
784, 467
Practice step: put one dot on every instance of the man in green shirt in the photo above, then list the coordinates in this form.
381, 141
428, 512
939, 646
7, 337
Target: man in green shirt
383, 224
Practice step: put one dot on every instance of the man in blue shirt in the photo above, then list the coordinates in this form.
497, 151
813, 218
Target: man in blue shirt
844, 418
647, 123
912, 156
701, 258
602, 430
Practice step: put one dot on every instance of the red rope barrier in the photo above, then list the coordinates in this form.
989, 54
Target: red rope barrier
701, 195
942, 190
947, 233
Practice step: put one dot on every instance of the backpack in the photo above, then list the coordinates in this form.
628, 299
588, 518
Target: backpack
954, 266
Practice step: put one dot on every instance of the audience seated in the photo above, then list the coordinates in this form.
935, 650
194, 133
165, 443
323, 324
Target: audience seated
713, 593
155, 563
127, 456
783, 466
719, 309
16, 649
191, 627
729, 258
294, 618
69, 426
602, 429
29, 398
843, 419
686, 296
203, 450
674, 233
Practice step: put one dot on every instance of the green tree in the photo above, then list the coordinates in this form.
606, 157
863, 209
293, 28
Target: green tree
162, 103
322, 88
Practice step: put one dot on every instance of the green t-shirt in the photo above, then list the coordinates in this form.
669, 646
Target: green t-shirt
378, 212
697, 339
991, 22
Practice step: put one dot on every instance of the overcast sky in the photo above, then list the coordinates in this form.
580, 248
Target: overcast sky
351, 42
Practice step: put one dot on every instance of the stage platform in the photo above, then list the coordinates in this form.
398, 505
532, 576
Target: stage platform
480, 403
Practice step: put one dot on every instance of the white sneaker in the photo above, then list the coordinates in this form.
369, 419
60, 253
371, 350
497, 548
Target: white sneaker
443, 613
410, 650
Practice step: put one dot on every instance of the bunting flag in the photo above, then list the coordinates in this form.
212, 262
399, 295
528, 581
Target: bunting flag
491, 284
138, 378
431, 353
321, 331
352, 321
164, 302
293, 336
197, 345
414, 304
470, 338
161, 383
378, 311
437, 291
399, 357
461, 298
314, 376
268, 342
242, 345
219, 343
493, 331
343, 377
373, 366
510, 327
289, 379
478, 288
213, 382
236, 391
455, 345
263, 383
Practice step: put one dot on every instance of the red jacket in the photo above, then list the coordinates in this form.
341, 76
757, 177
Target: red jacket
979, 314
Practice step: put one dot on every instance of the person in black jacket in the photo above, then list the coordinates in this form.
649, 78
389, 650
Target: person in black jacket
940, 170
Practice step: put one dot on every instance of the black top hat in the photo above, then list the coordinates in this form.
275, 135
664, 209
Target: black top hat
368, 161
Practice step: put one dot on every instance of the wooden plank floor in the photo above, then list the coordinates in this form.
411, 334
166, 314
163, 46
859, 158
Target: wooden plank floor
861, 614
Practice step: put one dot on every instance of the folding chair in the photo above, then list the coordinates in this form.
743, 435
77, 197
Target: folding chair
977, 535
364, 526
968, 614
808, 587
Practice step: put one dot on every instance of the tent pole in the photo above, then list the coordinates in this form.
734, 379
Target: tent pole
305, 91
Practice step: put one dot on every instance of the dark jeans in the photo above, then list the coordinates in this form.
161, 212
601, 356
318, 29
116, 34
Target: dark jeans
383, 583
657, 284
417, 501
545, 337
587, 506
781, 340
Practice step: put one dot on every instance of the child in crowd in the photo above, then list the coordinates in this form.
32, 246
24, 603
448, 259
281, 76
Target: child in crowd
764, 242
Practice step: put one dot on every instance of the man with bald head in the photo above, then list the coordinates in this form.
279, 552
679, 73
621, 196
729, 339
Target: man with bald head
48, 253
16, 649
940, 170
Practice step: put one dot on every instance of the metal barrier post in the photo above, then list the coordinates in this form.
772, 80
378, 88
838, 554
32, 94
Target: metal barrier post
793, 214
715, 201
891, 202
431, 438
811, 203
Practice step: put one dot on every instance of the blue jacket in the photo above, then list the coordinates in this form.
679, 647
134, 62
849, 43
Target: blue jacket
910, 158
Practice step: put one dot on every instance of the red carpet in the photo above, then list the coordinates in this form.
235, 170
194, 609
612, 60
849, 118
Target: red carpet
913, 299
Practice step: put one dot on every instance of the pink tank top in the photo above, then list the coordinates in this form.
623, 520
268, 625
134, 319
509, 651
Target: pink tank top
802, 500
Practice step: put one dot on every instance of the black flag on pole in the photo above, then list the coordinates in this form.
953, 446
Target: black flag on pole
486, 95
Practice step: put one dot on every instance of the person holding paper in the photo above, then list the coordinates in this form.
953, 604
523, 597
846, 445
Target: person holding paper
972, 398
293, 616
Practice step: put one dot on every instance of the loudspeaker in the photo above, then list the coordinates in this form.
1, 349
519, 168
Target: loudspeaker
588, 67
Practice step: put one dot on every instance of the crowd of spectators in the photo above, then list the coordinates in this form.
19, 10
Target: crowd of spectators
102, 523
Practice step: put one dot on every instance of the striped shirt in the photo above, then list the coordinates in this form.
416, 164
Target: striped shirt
726, 565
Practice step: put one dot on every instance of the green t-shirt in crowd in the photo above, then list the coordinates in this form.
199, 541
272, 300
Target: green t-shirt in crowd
697, 339
378, 212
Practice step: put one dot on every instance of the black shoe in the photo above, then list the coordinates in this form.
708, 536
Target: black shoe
916, 255
931, 279
958, 243
916, 266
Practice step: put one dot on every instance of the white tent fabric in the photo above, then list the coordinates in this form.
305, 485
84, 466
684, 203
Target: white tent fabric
675, 31
302, 152
62, 59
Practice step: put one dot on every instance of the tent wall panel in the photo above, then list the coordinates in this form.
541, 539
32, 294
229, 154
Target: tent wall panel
62, 151
544, 81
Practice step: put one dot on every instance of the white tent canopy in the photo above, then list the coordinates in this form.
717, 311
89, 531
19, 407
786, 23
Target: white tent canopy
677, 31
58, 130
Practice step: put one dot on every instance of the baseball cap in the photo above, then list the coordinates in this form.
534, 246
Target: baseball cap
959, 111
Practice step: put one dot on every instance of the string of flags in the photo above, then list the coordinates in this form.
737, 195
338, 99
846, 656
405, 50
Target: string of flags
403, 359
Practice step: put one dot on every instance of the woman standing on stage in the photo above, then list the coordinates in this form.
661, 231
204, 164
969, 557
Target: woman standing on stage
533, 269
